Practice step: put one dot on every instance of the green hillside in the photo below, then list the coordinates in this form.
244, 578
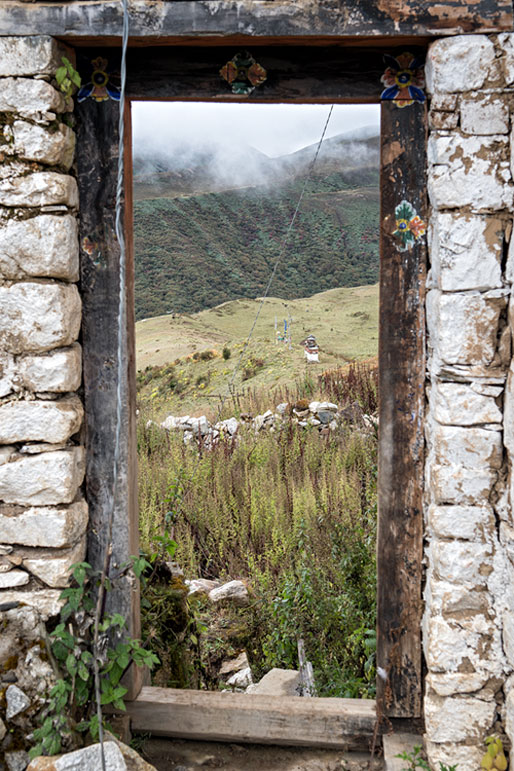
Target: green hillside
197, 251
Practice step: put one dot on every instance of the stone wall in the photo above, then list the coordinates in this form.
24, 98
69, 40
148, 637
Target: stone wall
468, 628
43, 516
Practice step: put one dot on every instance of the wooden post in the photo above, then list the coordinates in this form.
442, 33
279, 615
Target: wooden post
97, 161
401, 441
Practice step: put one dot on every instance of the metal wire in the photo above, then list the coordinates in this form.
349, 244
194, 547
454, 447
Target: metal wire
121, 347
180, 491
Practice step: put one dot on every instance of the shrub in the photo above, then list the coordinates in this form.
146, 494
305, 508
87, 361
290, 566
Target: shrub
227, 353
294, 513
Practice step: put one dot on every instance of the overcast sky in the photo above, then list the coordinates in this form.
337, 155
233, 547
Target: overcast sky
274, 129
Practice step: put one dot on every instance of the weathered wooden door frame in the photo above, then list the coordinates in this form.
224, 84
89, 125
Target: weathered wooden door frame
295, 74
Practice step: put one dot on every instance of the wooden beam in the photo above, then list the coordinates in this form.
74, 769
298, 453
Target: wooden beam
101, 19
254, 718
402, 398
293, 74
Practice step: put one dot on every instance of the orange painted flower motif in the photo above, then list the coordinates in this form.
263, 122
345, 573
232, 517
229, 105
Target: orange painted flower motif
88, 245
404, 79
243, 73
409, 226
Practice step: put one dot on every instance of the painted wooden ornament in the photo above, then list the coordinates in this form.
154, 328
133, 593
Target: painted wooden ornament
100, 87
409, 226
243, 73
404, 79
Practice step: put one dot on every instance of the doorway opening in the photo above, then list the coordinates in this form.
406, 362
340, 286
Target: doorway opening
256, 242
336, 74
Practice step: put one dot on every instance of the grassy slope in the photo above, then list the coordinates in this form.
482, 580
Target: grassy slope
344, 320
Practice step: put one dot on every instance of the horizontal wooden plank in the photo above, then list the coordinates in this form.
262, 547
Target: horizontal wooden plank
332, 74
254, 718
86, 18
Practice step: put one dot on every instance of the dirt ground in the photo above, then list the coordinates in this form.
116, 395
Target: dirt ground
178, 755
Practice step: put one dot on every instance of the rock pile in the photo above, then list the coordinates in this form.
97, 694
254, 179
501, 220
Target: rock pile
325, 416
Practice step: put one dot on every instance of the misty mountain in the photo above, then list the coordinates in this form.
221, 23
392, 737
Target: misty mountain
215, 167
210, 222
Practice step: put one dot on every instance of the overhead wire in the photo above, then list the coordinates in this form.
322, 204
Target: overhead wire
121, 359
121, 348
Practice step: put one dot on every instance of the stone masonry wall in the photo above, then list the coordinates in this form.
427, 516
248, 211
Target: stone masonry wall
468, 628
43, 516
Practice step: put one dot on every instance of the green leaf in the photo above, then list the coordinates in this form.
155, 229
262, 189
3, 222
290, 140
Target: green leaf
123, 661
36, 751
60, 74
83, 671
53, 746
71, 664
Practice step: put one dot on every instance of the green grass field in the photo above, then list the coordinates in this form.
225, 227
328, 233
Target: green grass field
344, 321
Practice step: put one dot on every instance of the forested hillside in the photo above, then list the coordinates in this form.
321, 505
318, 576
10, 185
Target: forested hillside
197, 250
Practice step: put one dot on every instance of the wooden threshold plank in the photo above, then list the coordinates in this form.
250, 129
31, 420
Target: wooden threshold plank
253, 718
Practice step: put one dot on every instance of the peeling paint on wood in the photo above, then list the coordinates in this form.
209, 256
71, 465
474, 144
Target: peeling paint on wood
401, 440
255, 18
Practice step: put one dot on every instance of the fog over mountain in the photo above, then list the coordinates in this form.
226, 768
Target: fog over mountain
214, 166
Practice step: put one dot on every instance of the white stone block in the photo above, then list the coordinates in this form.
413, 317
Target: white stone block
506, 44
461, 719
469, 171
457, 404
38, 316
86, 759
509, 715
460, 562
45, 526
468, 447
31, 55
508, 413
54, 147
508, 635
53, 568
46, 601
465, 252
458, 63
464, 757
6, 452
463, 326
43, 480
40, 421
58, 371
469, 523
43, 188
42, 246
447, 645
451, 683
28, 97
456, 484
444, 102
12, 579
484, 114
7, 373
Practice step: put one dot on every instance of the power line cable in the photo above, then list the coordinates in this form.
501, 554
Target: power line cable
119, 388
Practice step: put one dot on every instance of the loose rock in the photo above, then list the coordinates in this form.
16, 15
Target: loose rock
233, 592
17, 701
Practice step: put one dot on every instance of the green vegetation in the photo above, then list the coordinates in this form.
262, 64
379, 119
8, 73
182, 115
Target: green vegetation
179, 378
69, 717
294, 515
197, 251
